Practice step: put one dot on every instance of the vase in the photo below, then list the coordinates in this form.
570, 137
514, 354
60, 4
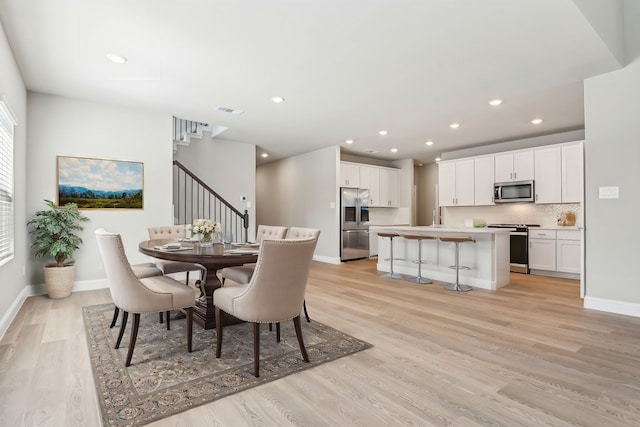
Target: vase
206, 240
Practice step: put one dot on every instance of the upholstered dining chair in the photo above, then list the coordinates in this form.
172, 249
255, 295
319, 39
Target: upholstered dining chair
274, 294
175, 232
242, 273
133, 295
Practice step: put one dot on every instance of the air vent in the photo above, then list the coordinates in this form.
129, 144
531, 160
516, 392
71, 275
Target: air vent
372, 151
229, 110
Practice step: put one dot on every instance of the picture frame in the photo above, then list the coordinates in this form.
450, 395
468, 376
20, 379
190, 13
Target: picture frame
99, 183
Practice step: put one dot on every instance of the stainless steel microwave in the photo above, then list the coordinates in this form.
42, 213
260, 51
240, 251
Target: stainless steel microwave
511, 192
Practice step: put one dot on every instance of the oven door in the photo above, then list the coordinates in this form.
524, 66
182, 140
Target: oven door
519, 252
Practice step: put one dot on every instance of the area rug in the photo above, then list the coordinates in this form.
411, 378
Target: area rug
164, 379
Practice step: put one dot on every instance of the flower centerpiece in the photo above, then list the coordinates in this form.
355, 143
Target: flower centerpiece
206, 230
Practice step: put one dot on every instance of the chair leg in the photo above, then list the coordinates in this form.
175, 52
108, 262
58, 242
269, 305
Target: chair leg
277, 331
187, 281
134, 336
161, 316
256, 349
125, 317
115, 317
270, 327
168, 320
296, 324
189, 329
306, 314
218, 332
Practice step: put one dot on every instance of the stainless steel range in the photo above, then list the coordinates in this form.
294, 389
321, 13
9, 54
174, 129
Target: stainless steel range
519, 239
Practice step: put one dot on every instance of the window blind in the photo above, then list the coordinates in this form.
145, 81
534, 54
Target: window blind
7, 124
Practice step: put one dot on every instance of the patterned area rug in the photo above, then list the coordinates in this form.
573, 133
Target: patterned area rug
165, 379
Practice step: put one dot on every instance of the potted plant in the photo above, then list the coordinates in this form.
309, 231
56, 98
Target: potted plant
54, 231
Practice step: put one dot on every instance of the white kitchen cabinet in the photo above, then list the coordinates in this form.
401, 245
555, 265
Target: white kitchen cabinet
542, 249
572, 173
483, 171
456, 183
349, 175
514, 166
370, 179
568, 251
548, 175
389, 181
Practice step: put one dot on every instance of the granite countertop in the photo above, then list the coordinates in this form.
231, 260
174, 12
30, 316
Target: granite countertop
441, 229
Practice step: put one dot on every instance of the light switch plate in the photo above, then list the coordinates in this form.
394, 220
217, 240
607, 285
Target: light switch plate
609, 192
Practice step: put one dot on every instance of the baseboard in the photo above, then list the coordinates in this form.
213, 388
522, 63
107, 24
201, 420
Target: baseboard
32, 290
612, 306
326, 259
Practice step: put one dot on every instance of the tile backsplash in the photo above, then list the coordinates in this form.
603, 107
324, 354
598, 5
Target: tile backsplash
515, 213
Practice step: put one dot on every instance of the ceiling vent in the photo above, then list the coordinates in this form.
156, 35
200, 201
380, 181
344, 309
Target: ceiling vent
229, 110
372, 151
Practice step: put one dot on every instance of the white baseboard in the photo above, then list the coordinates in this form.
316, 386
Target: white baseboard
612, 306
32, 290
326, 259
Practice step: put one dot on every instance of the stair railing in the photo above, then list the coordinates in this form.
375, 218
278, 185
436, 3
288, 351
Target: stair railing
193, 199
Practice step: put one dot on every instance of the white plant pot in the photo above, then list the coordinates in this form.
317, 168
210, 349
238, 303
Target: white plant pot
59, 280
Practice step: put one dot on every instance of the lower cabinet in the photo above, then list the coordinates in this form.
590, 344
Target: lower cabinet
568, 251
554, 250
542, 250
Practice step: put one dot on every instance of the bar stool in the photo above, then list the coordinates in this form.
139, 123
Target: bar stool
391, 274
419, 237
457, 240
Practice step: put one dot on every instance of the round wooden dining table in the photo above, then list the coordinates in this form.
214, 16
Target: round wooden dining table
214, 258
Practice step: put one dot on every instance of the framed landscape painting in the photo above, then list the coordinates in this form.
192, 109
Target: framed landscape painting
100, 183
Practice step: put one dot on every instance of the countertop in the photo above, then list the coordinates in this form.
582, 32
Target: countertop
444, 229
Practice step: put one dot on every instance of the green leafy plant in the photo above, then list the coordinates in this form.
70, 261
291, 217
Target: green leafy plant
54, 232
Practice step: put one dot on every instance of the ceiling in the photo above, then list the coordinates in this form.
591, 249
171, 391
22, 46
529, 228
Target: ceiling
347, 69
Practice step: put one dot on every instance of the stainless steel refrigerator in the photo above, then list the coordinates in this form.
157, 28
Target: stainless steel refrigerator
354, 219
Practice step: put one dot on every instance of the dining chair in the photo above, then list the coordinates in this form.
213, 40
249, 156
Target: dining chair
134, 295
142, 271
175, 232
274, 294
242, 273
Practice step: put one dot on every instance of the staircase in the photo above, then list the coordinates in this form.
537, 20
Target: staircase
185, 130
193, 199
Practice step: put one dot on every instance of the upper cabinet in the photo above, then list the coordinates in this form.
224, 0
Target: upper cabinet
389, 181
456, 183
514, 166
572, 173
382, 182
557, 172
483, 170
548, 172
349, 175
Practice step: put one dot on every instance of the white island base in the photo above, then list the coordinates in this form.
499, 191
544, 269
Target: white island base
487, 258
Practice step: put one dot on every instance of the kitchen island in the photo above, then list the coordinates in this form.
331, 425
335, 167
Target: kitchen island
487, 258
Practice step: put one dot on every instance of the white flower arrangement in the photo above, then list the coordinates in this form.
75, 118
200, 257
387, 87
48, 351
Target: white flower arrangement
205, 227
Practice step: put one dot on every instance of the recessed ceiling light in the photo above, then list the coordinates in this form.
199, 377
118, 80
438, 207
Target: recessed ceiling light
265, 155
495, 102
277, 99
349, 141
536, 121
438, 159
420, 164
454, 125
394, 150
429, 143
383, 132
116, 58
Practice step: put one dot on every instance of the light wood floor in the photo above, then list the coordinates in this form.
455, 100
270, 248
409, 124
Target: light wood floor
528, 354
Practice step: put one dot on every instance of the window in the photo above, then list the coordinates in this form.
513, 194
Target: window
7, 124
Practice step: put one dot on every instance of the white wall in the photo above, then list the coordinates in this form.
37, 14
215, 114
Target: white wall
612, 153
12, 88
68, 127
229, 168
298, 192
